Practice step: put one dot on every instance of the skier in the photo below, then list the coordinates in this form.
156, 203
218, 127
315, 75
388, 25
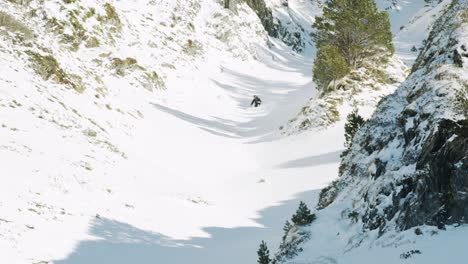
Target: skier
256, 101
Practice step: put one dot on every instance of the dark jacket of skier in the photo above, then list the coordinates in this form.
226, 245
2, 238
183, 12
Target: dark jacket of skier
256, 101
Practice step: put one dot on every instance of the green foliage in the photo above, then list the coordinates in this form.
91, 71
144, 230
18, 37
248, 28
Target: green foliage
47, 67
91, 12
153, 81
356, 27
354, 216
8, 22
111, 15
78, 31
110, 11
464, 16
92, 42
303, 216
121, 66
263, 254
353, 122
329, 66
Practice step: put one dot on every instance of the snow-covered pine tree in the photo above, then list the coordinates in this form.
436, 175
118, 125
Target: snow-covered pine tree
263, 254
286, 228
303, 216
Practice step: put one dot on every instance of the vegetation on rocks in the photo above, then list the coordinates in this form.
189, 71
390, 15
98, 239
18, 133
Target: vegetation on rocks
48, 67
357, 30
122, 65
11, 24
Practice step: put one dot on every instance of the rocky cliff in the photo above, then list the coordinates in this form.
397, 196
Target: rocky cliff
408, 165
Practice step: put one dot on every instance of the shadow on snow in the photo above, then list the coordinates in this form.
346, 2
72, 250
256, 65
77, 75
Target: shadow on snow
322, 159
121, 243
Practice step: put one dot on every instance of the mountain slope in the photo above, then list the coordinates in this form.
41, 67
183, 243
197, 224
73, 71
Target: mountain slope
403, 183
126, 132
414, 148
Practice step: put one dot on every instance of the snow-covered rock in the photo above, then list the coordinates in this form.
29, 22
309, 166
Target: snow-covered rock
409, 160
402, 191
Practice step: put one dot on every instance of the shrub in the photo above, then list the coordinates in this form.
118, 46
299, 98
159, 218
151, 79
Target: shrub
120, 66
92, 42
111, 15
12, 25
464, 16
353, 122
48, 67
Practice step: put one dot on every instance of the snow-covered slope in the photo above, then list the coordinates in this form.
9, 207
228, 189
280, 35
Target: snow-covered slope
126, 134
402, 191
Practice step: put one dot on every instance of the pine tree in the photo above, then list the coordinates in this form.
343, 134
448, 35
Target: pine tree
353, 122
348, 32
286, 228
329, 66
303, 216
356, 27
263, 254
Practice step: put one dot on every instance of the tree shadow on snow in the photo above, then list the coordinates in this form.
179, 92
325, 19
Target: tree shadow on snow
121, 243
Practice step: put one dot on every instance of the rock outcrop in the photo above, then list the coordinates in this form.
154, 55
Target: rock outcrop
408, 165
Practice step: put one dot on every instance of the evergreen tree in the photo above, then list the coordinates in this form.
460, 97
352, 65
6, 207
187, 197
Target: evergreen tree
263, 254
353, 122
329, 66
303, 216
286, 228
348, 32
356, 27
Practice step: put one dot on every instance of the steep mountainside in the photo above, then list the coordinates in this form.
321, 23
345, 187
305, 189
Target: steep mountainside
410, 159
126, 129
363, 88
127, 134
402, 190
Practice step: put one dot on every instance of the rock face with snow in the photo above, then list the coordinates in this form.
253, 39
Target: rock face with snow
282, 21
362, 88
265, 15
408, 165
